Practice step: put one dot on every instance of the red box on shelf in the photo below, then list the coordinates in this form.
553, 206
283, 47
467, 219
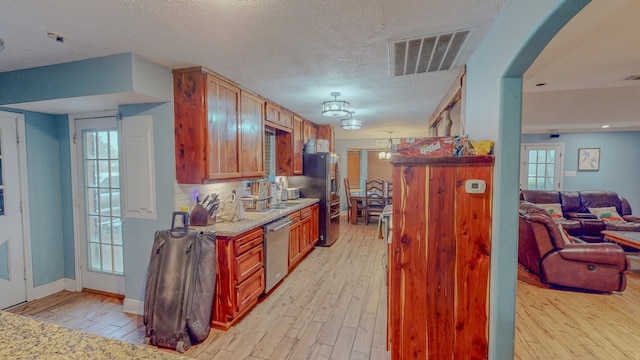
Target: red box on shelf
429, 146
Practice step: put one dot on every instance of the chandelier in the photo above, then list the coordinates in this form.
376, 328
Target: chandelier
386, 155
335, 107
351, 123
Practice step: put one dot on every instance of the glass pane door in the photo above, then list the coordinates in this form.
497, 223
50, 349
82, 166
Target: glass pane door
102, 194
541, 167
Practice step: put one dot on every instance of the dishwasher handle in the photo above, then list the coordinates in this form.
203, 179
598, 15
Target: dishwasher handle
280, 226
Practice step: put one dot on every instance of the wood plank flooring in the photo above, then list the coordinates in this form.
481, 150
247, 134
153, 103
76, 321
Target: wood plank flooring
333, 306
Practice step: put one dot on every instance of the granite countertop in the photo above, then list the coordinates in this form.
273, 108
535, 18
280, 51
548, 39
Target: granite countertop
253, 220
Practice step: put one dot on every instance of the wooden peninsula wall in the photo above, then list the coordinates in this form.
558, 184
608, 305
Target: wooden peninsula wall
439, 259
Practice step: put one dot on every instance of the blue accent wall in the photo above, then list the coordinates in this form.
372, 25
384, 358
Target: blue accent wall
45, 201
103, 75
619, 156
138, 234
66, 194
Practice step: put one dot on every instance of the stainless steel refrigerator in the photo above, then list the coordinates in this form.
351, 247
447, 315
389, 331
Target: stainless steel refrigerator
321, 180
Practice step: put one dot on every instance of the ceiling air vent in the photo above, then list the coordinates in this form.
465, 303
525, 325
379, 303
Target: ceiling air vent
427, 53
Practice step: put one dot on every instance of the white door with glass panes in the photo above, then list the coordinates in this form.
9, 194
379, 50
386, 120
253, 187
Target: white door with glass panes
12, 269
99, 210
541, 166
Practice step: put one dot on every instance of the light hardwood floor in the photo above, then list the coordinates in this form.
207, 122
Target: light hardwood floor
333, 307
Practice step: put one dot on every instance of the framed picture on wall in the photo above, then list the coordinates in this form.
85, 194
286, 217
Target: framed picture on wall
588, 159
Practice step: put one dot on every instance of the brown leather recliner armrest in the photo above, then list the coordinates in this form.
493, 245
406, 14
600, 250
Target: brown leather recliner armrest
632, 218
602, 253
579, 215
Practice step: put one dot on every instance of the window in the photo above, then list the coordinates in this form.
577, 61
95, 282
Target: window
541, 167
353, 168
376, 168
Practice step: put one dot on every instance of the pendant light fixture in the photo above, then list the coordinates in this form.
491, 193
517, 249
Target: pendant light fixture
351, 123
386, 155
335, 107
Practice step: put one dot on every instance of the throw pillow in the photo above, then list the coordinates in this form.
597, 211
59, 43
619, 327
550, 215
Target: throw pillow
566, 238
607, 214
554, 210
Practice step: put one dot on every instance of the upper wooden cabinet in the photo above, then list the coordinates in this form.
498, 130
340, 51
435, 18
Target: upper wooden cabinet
327, 132
251, 135
211, 133
298, 133
278, 117
310, 131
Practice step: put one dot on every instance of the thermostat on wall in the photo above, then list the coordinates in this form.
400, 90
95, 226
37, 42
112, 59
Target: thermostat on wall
475, 186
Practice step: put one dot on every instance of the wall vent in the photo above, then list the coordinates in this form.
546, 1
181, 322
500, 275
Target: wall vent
427, 53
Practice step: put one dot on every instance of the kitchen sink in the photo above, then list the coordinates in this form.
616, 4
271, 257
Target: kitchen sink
284, 205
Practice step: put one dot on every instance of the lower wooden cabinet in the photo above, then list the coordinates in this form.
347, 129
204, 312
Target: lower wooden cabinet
239, 277
303, 234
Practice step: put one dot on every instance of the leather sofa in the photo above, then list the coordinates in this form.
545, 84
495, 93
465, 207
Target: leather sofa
567, 262
578, 221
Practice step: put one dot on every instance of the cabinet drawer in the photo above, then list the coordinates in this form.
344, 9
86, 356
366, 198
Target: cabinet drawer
294, 216
248, 263
249, 290
305, 213
248, 242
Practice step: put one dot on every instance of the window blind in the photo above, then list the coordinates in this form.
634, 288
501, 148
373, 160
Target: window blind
377, 168
353, 168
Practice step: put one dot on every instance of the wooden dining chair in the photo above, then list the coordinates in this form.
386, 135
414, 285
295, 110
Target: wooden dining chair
374, 198
360, 209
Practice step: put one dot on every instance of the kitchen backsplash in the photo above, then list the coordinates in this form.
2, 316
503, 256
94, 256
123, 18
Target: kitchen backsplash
186, 194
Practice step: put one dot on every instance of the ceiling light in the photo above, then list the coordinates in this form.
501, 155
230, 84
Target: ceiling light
386, 155
335, 107
1, 44
351, 123
606, 126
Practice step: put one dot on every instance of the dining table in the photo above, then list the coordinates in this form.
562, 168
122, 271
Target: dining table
358, 197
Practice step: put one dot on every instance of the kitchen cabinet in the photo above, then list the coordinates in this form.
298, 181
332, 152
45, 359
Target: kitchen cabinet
251, 135
211, 128
294, 240
239, 277
298, 144
310, 131
284, 153
278, 117
439, 258
303, 233
328, 132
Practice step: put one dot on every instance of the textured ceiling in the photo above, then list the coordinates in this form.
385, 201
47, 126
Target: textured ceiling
297, 52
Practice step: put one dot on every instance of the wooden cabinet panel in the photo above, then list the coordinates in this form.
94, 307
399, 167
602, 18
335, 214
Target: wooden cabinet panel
251, 136
248, 263
278, 117
239, 276
298, 132
310, 131
189, 89
328, 132
294, 244
439, 259
223, 161
286, 118
305, 235
284, 153
249, 291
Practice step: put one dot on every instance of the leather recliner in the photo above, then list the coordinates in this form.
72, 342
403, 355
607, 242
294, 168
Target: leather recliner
599, 267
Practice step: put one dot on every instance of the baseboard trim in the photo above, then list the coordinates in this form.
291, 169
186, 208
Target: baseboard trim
48, 289
132, 306
70, 285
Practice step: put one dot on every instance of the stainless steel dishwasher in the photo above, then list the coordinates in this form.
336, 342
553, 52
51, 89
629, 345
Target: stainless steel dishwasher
276, 252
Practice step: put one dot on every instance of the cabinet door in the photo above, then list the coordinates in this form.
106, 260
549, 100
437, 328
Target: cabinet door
297, 144
327, 132
305, 236
294, 244
251, 136
223, 161
310, 131
286, 118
